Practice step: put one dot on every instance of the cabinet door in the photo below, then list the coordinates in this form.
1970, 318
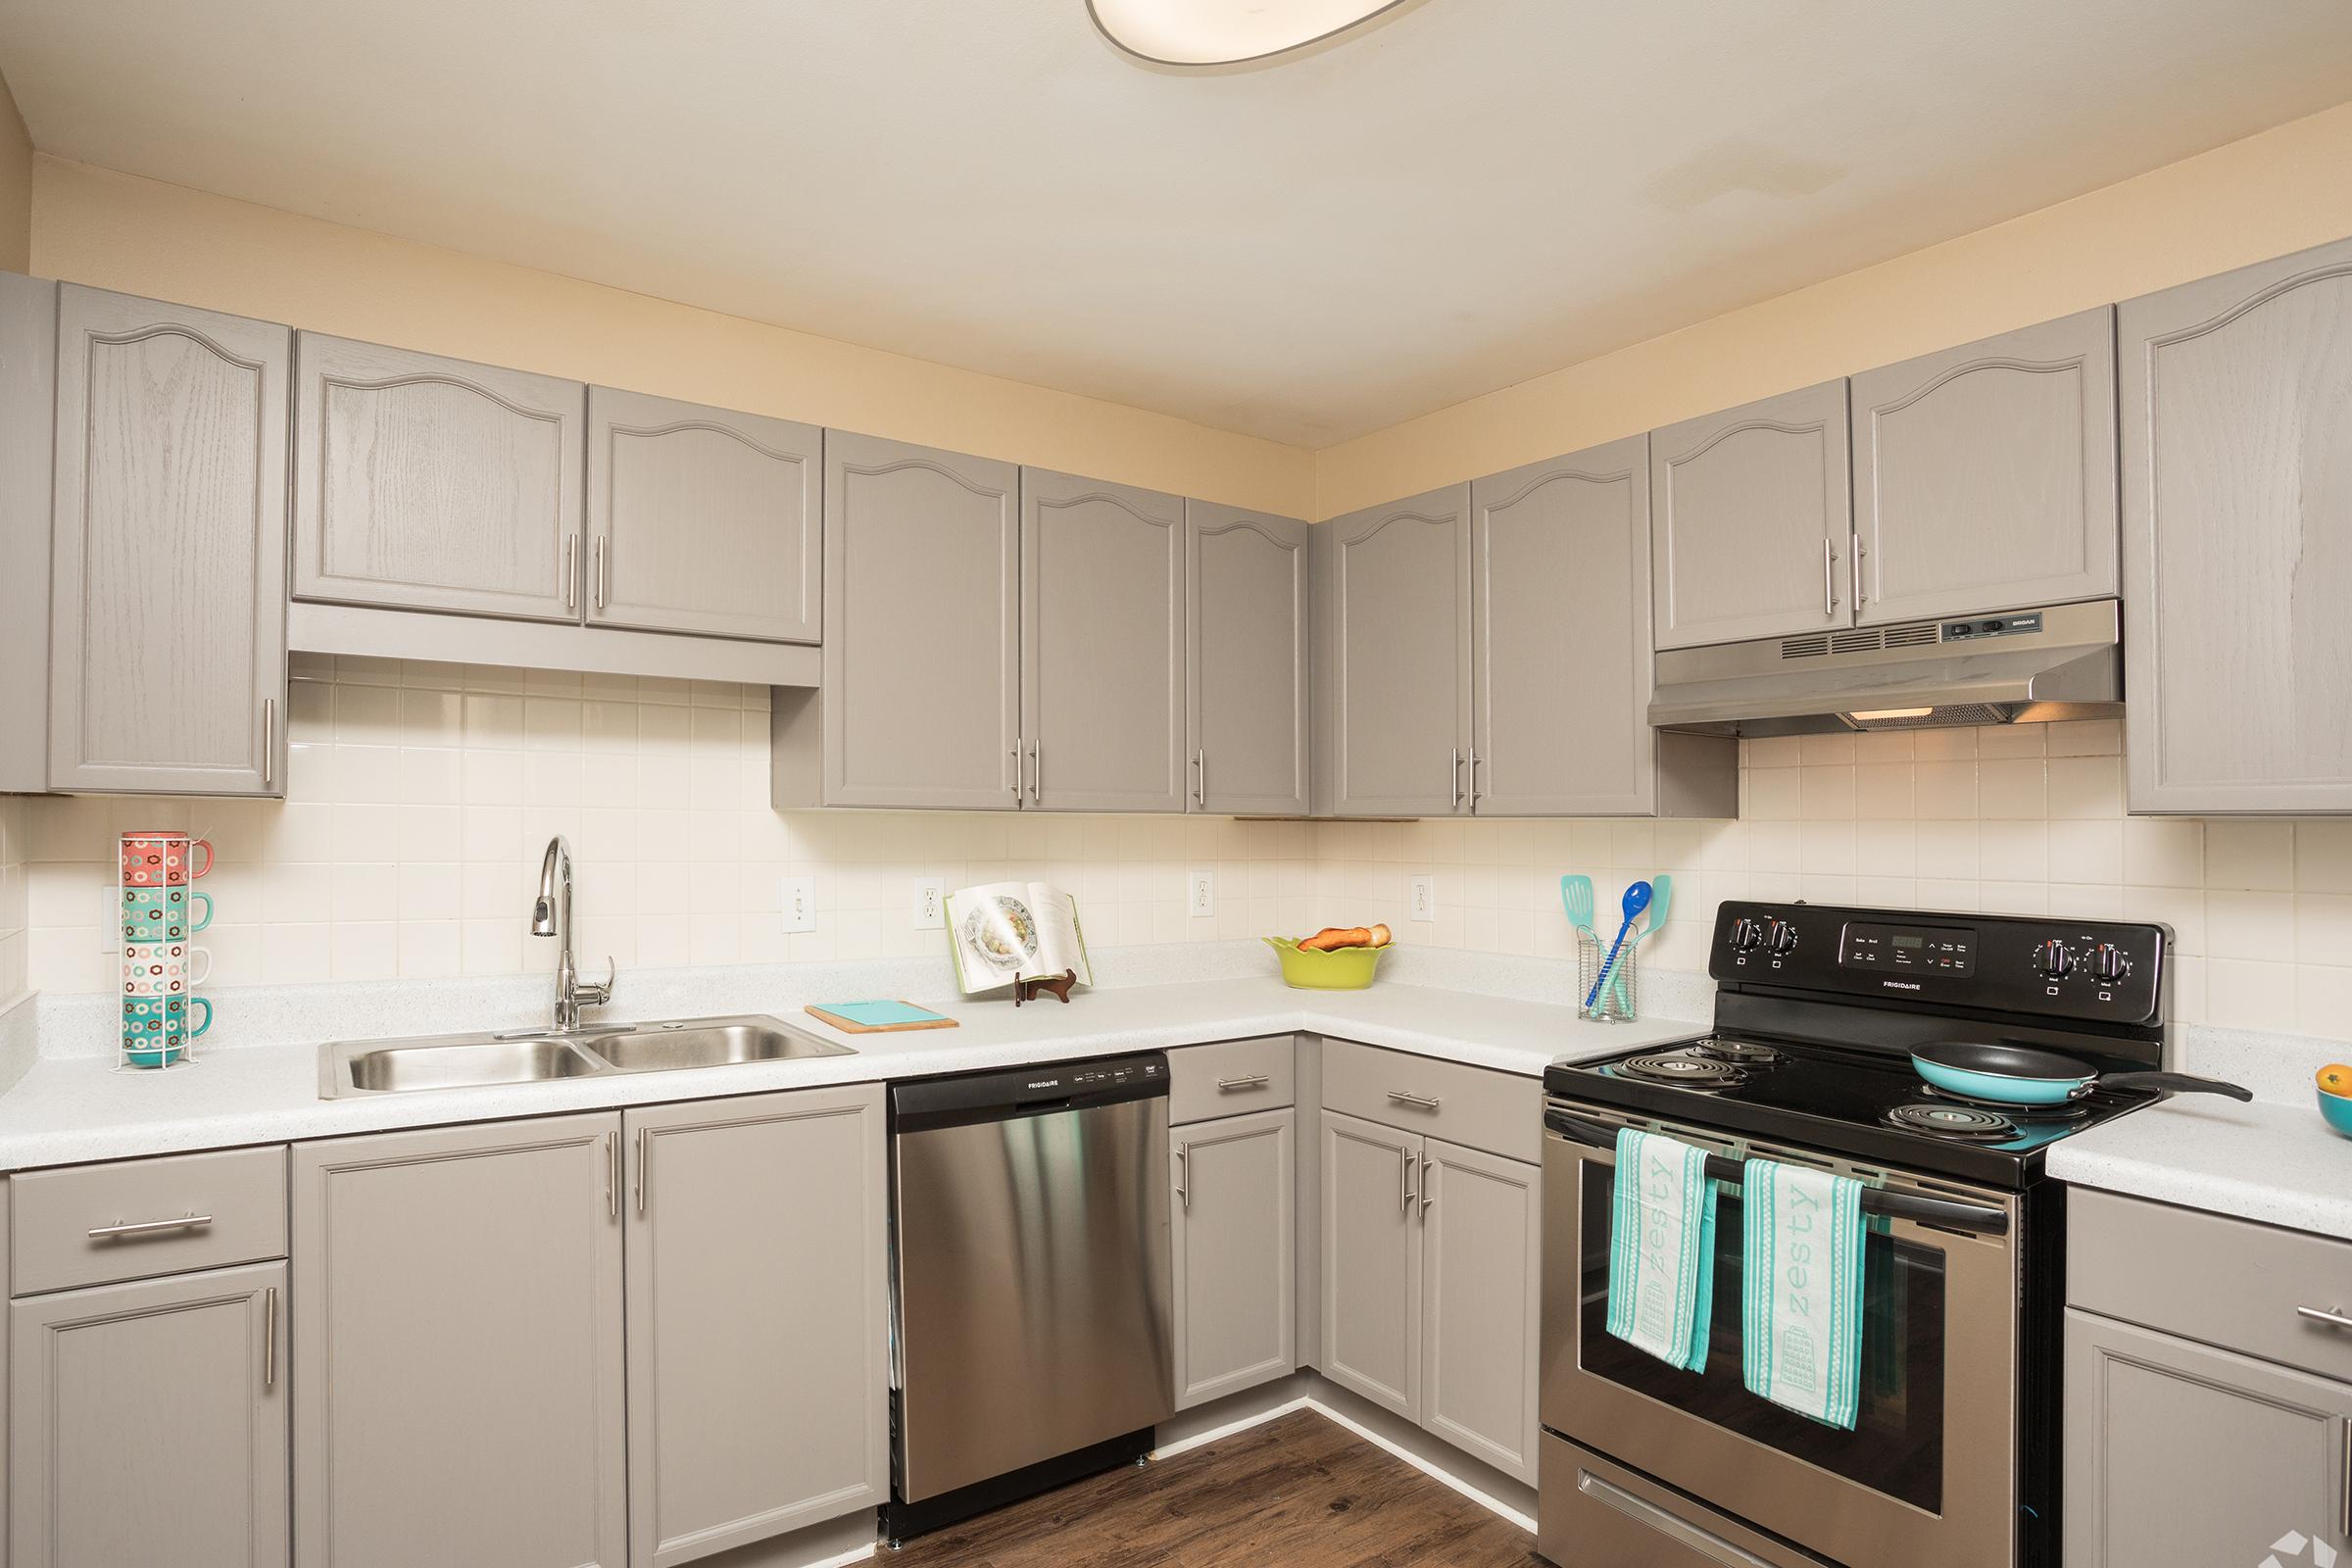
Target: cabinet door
1103, 644
149, 1424
1394, 621
922, 696
701, 519
2238, 553
435, 485
1559, 571
758, 1318
2176, 1453
168, 607
458, 1349
1246, 590
28, 502
1236, 1263
1751, 514
1372, 1262
1985, 475
1482, 1233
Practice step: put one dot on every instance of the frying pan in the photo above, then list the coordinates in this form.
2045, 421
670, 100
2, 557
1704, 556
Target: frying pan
2019, 1075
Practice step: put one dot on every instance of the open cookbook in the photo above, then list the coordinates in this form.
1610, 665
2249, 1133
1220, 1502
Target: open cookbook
1006, 931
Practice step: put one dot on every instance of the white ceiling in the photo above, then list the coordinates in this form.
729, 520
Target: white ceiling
1466, 194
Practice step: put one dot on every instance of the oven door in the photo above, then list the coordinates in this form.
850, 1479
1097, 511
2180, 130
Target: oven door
1928, 1476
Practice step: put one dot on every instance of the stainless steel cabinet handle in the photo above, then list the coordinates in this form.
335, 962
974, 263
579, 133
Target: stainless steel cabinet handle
1019, 779
596, 554
1854, 568
1829, 579
269, 739
270, 1338
1457, 778
571, 576
1417, 1101
1036, 773
612, 1181
1429, 1193
1246, 1081
644, 1151
1183, 1176
151, 1227
1200, 778
1405, 1181
2336, 1320
1473, 779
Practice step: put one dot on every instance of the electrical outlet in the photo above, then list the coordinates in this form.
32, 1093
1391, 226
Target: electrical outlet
1423, 904
930, 904
1201, 895
800, 903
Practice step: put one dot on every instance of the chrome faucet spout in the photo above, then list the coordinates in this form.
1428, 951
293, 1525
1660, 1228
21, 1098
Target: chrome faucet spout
551, 916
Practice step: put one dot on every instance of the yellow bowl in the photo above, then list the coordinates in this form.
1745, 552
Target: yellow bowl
1341, 969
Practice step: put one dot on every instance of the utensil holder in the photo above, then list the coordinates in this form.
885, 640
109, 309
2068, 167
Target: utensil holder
1618, 1001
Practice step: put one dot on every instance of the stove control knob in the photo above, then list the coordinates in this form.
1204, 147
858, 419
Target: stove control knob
2054, 960
1747, 935
2109, 963
1782, 937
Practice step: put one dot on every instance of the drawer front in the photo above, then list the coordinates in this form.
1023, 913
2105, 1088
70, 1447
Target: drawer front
1499, 1112
1231, 1078
96, 1224
2208, 1277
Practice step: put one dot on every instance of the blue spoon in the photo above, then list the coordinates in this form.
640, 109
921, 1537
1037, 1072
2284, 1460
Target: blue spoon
1636, 898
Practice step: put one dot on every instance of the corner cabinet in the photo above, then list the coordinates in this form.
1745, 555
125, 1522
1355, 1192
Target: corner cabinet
2236, 398
1247, 590
1985, 475
1234, 1232
1751, 520
703, 520
429, 483
1103, 644
1392, 684
167, 609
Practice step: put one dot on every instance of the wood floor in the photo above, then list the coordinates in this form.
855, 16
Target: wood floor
1300, 1491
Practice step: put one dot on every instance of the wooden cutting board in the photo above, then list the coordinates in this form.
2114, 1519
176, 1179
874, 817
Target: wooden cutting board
877, 1017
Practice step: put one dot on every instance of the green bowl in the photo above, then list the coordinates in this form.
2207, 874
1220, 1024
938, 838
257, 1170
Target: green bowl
1342, 970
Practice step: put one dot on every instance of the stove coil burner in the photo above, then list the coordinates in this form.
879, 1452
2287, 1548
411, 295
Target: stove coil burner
1741, 1052
1969, 1122
1687, 1068
2073, 1109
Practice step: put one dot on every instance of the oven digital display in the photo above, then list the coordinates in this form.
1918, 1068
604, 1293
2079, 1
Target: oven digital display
1947, 951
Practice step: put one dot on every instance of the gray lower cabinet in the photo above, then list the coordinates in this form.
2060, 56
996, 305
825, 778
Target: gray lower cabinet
703, 520
168, 614
458, 1348
1750, 520
1371, 1240
1481, 1238
147, 1424
1103, 644
1247, 593
921, 704
757, 1319
1235, 1239
2179, 1452
1393, 678
1985, 474
431, 483
2238, 556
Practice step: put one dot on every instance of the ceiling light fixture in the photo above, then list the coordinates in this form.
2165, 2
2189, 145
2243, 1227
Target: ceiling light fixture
1224, 33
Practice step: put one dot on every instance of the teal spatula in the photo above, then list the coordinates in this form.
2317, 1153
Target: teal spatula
1576, 894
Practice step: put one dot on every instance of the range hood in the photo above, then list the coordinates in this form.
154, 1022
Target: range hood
2035, 665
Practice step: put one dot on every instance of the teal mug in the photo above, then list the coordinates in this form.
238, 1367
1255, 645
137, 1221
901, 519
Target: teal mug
156, 1031
162, 913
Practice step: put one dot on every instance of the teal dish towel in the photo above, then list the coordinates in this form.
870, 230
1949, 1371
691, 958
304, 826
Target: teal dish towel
1801, 1318
1662, 1248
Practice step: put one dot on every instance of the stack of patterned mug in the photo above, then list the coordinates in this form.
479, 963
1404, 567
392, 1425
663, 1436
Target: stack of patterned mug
161, 966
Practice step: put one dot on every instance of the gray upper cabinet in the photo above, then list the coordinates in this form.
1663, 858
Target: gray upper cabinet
458, 1348
757, 1319
922, 698
1559, 568
1247, 590
703, 521
430, 483
1482, 1235
1103, 638
1371, 1240
1985, 475
167, 641
1393, 682
1751, 520
28, 454
2238, 553
1235, 1239
148, 1424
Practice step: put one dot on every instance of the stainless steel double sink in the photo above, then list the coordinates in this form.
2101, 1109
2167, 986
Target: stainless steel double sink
534, 1055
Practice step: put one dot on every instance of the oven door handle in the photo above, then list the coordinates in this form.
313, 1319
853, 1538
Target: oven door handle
1975, 1218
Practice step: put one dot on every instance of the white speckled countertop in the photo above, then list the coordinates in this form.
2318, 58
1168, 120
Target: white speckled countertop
66, 1110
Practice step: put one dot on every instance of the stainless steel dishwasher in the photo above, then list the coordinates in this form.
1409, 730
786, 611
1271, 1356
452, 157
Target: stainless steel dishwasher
1030, 1313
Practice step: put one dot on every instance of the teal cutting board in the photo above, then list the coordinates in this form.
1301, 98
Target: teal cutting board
878, 1017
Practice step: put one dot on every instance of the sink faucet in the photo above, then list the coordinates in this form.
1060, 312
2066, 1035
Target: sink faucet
551, 916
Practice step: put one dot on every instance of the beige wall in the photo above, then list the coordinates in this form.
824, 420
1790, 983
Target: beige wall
15, 186
93, 225
2265, 196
